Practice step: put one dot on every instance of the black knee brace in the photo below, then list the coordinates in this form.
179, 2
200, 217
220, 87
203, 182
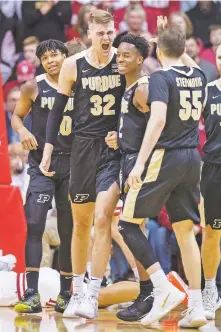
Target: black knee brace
65, 226
137, 243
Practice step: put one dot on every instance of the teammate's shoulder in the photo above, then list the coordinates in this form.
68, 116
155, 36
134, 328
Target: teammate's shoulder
40, 77
210, 84
142, 89
143, 80
71, 60
161, 75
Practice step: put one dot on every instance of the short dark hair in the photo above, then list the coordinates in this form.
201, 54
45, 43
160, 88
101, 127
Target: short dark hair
139, 42
51, 45
172, 41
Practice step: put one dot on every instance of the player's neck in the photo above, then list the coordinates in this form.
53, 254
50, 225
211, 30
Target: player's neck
169, 62
100, 59
53, 79
132, 78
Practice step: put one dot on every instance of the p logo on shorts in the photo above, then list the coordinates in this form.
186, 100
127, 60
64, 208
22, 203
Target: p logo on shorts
43, 198
79, 198
217, 224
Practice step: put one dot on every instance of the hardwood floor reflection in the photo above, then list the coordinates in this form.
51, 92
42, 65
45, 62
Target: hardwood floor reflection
50, 321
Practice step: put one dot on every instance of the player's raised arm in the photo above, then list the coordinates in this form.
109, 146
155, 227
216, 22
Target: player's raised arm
28, 94
65, 83
162, 24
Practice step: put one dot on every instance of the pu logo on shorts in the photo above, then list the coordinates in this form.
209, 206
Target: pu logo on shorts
80, 198
43, 198
217, 224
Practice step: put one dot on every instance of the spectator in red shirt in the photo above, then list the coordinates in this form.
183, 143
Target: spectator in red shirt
209, 54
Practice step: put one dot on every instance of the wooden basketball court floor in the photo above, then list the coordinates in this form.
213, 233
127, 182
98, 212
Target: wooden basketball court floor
50, 321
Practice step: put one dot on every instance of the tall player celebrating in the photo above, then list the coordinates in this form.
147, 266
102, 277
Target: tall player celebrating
94, 166
166, 171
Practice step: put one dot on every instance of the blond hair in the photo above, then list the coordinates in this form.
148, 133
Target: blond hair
75, 46
30, 40
100, 16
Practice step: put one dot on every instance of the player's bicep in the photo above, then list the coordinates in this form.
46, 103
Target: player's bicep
67, 76
25, 102
141, 97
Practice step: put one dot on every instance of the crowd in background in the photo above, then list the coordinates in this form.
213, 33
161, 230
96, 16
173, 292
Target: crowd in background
25, 23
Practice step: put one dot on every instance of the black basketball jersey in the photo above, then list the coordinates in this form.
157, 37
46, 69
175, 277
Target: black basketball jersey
40, 111
98, 96
212, 121
183, 90
132, 123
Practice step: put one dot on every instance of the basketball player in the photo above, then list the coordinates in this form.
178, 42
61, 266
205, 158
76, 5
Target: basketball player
166, 172
38, 96
94, 167
211, 192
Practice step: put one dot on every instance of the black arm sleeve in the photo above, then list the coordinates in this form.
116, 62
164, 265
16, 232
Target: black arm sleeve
158, 88
55, 118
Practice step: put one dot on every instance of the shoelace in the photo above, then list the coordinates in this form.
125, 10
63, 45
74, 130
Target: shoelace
208, 299
92, 300
74, 299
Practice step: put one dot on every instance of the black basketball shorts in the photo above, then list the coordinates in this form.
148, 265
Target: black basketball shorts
171, 178
210, 187
94, 168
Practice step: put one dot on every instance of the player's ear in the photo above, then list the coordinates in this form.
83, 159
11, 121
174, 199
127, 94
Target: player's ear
140, 60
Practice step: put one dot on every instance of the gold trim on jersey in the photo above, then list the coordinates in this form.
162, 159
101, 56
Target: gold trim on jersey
189, 73
95, 65
152, 174
141, 80
43, 77
202, 212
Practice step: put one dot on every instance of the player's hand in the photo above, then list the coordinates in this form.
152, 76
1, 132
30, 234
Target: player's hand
134, 179
27, 139
162, 23
44, 166
111, 140
46, 160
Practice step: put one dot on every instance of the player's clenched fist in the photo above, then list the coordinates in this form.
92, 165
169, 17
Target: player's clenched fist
111, 140
27, 139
